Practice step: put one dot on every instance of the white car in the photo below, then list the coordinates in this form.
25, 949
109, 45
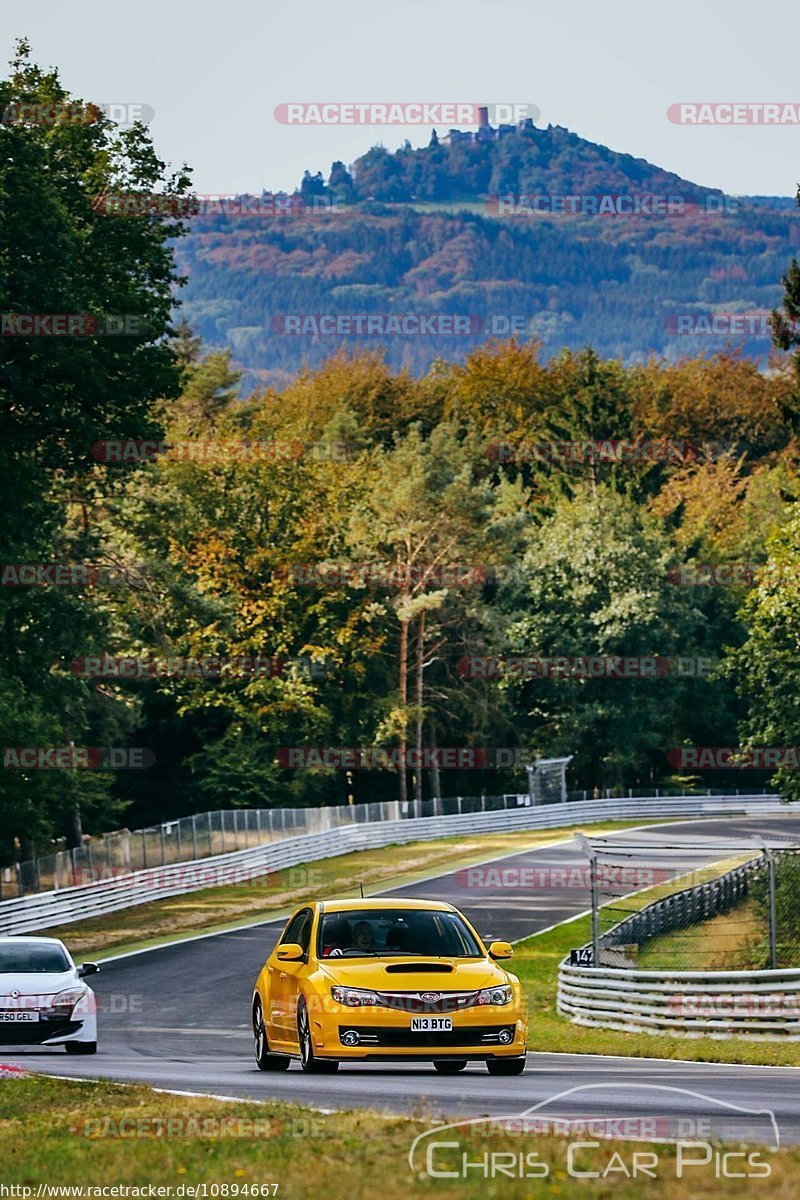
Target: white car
43, 999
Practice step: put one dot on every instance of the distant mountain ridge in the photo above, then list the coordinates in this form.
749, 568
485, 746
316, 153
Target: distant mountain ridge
419, 231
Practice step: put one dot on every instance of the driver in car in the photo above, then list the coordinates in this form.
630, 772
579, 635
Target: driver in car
363, 937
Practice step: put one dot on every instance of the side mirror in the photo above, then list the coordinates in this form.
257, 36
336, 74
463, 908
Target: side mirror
88, 969
500, 950
290, 952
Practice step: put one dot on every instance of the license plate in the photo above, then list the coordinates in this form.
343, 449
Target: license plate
14, 1018
431, 1024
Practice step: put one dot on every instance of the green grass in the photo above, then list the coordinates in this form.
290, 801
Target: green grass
732, 941
63, 1132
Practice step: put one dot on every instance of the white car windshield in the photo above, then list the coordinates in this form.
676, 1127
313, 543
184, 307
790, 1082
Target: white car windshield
396, 932
26, 959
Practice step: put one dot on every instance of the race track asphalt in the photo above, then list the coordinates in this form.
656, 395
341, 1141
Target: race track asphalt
178, 1016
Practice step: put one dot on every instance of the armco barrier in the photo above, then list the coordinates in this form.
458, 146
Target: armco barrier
48, 909
764, 1005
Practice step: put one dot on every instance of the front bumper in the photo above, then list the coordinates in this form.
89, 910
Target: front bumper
42, 1032
479, 1034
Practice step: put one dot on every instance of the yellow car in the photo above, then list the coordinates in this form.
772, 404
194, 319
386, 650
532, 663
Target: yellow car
399, 980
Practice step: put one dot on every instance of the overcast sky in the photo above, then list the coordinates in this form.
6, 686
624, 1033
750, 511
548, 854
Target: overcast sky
214, 72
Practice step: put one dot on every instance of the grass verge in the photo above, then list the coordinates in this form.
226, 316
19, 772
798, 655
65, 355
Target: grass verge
91, 1135
732, 941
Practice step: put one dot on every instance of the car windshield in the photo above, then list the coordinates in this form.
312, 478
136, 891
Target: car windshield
396, 932
26, 959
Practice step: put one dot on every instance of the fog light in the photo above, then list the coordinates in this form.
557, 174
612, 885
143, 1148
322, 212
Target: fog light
505, 1036
350, 1038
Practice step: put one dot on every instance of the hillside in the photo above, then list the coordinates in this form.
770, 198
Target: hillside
422, 232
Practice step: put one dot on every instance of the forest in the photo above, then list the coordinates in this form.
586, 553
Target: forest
207, 584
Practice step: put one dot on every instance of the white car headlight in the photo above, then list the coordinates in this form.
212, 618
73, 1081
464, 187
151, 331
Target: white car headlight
64, 1002
355, 997
502, 994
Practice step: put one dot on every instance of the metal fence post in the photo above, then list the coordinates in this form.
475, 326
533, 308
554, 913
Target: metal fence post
588, 848
194, 835
773, 923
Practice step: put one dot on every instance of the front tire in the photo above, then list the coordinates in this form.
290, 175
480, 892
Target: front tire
506, 1066
308, 1060
264, 1059
80, 1047
448, 1068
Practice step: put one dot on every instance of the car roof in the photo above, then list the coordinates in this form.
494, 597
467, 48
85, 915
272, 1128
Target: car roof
20, 939
359, 905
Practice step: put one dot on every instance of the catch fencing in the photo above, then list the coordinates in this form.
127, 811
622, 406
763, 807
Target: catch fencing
602, 985
206, 835
112, 890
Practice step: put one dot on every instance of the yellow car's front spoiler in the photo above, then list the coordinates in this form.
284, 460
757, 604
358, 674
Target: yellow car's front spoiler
351, 1034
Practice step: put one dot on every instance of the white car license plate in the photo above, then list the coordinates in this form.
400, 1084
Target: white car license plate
431, 1024
13, 1018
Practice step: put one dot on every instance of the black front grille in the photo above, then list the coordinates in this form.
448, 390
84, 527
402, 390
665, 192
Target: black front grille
398, 1039
412, 1002
33, 1033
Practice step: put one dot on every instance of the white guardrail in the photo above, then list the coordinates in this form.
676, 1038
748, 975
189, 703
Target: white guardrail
46, 910
764, 1005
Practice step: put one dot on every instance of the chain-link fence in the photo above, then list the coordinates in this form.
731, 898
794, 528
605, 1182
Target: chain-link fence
206, 834
669, 908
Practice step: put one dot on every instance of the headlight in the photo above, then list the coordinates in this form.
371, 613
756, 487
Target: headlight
355, 997
495, 995
65, 1002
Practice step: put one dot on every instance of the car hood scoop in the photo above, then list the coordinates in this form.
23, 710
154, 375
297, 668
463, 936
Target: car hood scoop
413, 968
